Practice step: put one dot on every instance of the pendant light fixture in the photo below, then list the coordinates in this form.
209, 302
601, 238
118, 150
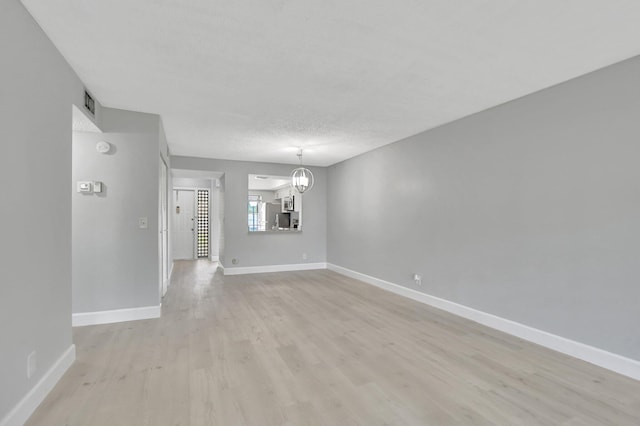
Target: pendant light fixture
301, 178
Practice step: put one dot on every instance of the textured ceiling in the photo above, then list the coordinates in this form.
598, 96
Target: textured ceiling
253, 80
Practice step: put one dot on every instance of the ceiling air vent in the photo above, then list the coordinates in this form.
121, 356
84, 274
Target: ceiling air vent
89, 104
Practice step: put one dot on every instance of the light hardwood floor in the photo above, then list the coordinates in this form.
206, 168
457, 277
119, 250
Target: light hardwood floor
314, 347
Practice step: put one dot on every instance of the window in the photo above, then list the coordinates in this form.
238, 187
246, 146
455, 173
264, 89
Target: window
254, 212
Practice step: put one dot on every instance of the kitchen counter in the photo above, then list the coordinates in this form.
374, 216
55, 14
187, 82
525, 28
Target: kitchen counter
277, 231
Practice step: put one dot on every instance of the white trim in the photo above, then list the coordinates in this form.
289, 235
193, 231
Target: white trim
27, 405
215, 258
165, 287
611, 361
116, 315
274, 268
171, 271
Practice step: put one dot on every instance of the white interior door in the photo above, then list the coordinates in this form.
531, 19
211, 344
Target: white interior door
184, 224
164, 235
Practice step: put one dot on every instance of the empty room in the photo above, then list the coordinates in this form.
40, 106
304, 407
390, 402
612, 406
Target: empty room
320, 213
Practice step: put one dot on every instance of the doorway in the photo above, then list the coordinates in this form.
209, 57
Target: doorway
207, 188
184, 224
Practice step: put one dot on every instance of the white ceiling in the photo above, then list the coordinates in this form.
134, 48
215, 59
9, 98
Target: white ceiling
254, 79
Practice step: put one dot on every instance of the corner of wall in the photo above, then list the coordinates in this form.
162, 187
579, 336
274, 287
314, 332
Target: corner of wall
28, 404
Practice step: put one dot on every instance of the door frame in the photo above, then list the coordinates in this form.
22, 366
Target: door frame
195, 209
163, 225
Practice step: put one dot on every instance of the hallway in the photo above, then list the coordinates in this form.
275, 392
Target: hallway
315, 347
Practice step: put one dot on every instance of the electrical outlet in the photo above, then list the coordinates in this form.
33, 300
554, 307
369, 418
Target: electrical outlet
143, 223
304, 256
417, 278
31, 364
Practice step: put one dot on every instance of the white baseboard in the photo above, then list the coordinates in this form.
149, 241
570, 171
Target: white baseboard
274, 268
116, 315
215, 258
27, 405
611, 361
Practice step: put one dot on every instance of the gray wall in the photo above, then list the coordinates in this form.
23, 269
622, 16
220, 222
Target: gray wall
115, 264
260, 249
37, 90
529, 211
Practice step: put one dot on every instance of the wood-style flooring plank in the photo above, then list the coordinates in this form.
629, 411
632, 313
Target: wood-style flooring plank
318, 348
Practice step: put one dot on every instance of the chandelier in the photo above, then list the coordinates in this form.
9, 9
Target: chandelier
301, 178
